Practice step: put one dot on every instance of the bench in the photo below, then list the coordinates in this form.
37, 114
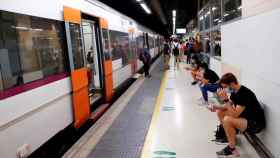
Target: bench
257, 144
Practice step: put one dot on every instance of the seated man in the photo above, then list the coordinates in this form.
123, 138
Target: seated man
209, 82
241, 111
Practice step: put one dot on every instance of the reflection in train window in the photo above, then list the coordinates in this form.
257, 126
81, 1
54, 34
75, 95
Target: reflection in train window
232, 9
120, 46
151, 42
216, 35
216, 11
31, 48
105, 42
140, 44
76, 42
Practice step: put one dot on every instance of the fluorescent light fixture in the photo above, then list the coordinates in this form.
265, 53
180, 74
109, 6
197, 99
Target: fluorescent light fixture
145, 7
138, 0
174, 20
174, 13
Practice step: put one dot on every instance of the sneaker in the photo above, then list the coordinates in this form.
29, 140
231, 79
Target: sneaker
228, 152
203, 103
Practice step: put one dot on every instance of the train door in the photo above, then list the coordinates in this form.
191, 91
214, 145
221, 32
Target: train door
93, 56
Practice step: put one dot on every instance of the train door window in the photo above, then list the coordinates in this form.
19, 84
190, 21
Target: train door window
92, 54
76, 45
106, 44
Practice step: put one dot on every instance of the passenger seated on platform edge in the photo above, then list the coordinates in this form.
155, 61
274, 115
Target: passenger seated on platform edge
241, 111
194, 69
208, 82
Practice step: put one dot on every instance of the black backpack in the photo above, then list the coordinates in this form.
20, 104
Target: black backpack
166, 49
176, 51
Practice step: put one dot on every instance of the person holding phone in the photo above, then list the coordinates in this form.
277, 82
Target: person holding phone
241, 110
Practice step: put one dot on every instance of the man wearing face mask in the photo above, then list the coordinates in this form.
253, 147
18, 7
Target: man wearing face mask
241, 111
209, 82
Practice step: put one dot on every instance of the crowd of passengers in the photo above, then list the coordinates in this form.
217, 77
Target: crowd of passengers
239, 109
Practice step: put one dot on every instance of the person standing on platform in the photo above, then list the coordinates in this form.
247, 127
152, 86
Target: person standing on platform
146, 58
176, 53
166, 52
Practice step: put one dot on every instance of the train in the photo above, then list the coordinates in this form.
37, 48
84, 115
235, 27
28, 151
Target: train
56, 59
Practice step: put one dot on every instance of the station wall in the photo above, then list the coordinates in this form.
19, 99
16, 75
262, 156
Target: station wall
251, 45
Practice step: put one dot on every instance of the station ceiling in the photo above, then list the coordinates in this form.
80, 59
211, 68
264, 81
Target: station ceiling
160, 20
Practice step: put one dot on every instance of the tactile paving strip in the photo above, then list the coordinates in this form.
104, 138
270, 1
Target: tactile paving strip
126, 136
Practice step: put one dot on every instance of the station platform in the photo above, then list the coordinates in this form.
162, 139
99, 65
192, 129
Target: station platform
157, 117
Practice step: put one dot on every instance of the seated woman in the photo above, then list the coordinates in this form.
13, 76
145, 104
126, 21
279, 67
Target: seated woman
195, 62
241, 111
209, 82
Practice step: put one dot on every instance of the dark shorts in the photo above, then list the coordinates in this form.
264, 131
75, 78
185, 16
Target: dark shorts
253, 127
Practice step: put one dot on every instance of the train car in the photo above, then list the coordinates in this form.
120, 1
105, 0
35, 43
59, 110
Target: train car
56, 59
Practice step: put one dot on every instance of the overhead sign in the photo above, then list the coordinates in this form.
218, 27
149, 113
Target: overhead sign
181, 31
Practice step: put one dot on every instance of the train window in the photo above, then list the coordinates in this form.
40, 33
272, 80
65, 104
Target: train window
140, 44
207, 17
216, 43
120, 46
132, 47
201, 21
232, 9
76, 42
31, 48
106, 48
205, 40
151, 42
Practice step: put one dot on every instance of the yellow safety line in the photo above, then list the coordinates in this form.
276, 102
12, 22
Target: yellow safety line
152, 128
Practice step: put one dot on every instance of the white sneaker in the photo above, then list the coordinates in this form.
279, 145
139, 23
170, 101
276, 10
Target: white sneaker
203, 103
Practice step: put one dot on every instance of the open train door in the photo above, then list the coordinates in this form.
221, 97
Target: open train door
79, 73
93, 55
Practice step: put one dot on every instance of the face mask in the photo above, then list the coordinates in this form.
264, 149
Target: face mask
202, 71
229, 90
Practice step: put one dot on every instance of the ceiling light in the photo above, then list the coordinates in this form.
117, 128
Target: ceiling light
138, 0
214, 8
145, 7
174, 12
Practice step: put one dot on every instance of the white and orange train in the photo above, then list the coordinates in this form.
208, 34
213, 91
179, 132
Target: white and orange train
56, 58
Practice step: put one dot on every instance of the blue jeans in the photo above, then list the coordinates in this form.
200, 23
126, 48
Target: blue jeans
209, 87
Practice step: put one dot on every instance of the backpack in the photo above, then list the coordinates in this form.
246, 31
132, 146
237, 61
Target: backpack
166, 49
176, 51
142, 57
